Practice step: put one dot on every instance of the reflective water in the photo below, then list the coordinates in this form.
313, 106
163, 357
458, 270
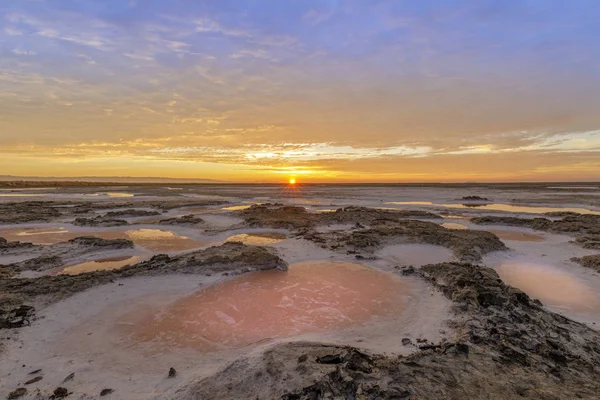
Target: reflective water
99, 265
152, 239
517, 236
236, 208
50, 235
258, 239
551, 286
501, 207
157, 239
111, 194
309, 297
453, 225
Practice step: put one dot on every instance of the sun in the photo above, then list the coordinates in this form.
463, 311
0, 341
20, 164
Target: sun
292, 181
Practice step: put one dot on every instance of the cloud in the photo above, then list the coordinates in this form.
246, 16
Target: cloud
326, 87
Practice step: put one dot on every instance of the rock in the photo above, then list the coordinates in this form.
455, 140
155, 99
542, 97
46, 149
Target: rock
185, 220
17, 393
100, 220
358, 361
60, 392
132, 212
330, 359
35, 372
408, 270
475, 198
69, 377
302, 358
462, 348
105, 392
406, 341
172, 372
34, 380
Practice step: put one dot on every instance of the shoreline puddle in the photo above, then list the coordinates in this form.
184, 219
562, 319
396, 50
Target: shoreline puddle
258, 239
551, 286
454, 225
500, 207
151, 239
155, 239
104, 264
309, 297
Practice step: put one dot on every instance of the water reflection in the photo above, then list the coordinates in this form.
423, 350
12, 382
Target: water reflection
453, 225
258, 239
551, 286
517, 236
311, 296
162, 240
501, 207
99, 265
49, 235
111, 194
236, 208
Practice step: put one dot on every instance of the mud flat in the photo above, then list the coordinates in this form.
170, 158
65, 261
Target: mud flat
260, 295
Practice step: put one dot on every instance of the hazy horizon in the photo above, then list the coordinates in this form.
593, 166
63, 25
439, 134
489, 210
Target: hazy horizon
321, 90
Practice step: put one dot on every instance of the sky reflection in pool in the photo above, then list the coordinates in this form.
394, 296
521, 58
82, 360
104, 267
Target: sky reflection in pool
500, 207
551, 286
309, 297
99, 265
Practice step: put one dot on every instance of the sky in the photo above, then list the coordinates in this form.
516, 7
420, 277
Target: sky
320, 90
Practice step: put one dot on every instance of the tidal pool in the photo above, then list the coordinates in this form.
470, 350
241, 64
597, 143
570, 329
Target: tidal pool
551, 286
517, 235
453, 225
236, 208
111, 194
501, 207
308, 297
155, 239
152, 239
99, 265
258, 239
49, 235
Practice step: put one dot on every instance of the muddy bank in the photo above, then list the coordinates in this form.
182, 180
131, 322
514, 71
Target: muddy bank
508, 346
592, 261
467, 245
131, 213
55, 255
585, 227
186, 220
293, 217
230, 258
49, 210
27, 211
99, 221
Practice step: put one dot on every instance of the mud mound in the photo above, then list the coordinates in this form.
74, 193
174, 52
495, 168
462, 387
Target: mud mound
592, 261
277, 216
370, 216
292, 217
28, 211
507, 347
132, 213
190, 219
7, 247
467, 245
100, 220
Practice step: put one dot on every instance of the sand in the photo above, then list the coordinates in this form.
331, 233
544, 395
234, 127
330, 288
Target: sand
125, 335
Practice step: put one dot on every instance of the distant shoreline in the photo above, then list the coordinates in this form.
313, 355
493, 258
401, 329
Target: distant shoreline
19, 183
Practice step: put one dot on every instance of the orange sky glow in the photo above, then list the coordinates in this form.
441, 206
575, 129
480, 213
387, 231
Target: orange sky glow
322, 91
